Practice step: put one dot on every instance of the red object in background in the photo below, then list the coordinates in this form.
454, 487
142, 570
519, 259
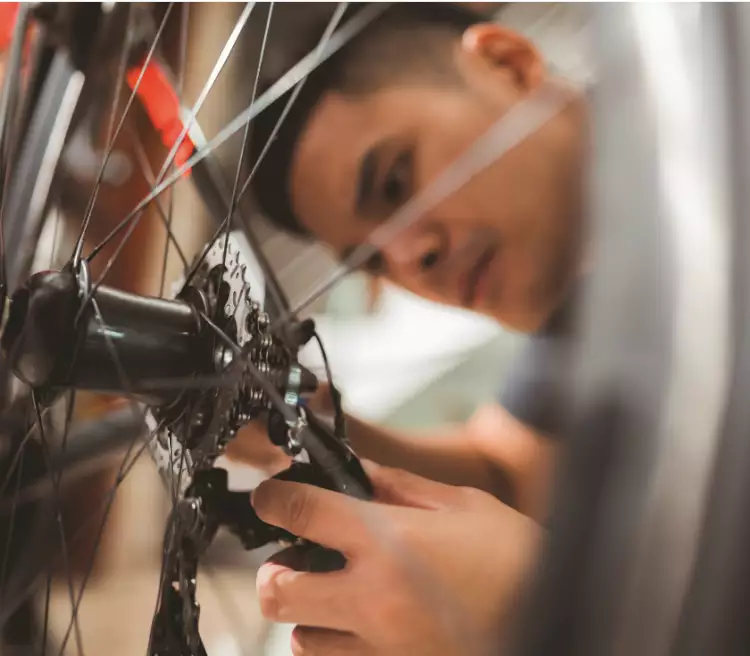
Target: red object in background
8, 15
8, 19
155, 91
162, 105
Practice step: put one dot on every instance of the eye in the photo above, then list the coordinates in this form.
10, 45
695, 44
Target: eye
398, 180
375, 264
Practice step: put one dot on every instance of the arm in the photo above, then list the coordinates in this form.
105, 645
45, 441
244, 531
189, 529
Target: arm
447, 457
492, 452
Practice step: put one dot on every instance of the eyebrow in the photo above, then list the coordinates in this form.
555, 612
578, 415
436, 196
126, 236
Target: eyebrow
366, 180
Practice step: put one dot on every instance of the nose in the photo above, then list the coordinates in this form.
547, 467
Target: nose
417, 253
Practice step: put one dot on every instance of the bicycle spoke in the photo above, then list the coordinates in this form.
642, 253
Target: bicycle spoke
206, 249
126, 383
506, 133
58, 513
69, 408
123, 471
112, 137
90, 567
148, 174
112, 133
55, 235
188, 123
127, 467
9, 538
274, 287
166, 547
173, 487
181, 65
303, 68
127, 464
245, 137
17, 456
293, 96
213, 76
228, 341
45, 625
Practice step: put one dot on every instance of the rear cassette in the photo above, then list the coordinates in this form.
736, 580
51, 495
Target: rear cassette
194, 430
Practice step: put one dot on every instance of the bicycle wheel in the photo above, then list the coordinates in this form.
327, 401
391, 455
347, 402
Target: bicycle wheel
222, 349
43, 92
215, 335
647, 552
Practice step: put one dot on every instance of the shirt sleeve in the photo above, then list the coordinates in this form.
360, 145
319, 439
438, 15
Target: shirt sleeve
533, 391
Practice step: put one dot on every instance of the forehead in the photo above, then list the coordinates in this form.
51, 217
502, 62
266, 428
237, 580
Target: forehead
326, 160
339, 132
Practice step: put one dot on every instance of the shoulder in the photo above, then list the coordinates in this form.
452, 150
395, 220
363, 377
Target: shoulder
532, 392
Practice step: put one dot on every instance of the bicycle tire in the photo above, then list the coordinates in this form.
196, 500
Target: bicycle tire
631, 533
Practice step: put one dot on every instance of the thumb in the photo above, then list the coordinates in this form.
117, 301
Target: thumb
401, 488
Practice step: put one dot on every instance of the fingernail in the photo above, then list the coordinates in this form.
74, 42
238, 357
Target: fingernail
470, 40
256, 496
265, 589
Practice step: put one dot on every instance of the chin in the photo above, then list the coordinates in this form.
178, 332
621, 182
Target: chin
529, 317
521, 321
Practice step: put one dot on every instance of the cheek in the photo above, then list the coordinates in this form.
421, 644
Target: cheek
475, 203
445, 136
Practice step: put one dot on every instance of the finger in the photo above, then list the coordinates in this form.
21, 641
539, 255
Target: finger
293, 597
311, 641
310, 557
321, 402
401, 488
328, 518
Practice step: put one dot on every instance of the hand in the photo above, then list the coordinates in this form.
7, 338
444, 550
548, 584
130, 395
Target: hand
432, 569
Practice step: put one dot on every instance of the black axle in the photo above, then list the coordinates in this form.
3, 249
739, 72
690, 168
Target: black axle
118, 343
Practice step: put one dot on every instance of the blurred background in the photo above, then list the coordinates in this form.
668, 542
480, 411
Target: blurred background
398, 360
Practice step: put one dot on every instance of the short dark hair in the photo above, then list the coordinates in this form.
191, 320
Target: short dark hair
406, 41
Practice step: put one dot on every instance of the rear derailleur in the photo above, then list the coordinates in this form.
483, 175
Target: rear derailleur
209, 505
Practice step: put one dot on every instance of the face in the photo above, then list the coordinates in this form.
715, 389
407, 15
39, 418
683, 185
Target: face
506, 243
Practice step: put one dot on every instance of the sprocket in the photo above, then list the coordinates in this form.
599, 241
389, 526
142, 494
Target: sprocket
196, 428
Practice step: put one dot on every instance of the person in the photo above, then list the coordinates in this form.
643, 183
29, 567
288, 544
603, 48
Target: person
371, 127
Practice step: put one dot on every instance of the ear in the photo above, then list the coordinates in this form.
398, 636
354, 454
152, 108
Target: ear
493, 46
